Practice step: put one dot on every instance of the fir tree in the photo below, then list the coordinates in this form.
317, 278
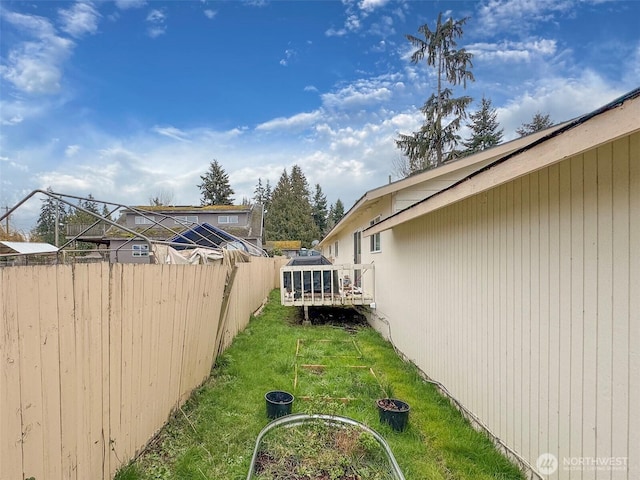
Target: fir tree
45, 228
435, 143
337, 211
319, 210
215, 187
289, 216
485, 131
538, 122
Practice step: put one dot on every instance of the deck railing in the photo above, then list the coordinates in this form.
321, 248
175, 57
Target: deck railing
327, 285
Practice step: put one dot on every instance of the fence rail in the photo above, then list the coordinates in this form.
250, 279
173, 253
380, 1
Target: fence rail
96, 356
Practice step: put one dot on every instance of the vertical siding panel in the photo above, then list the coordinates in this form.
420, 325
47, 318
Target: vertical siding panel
483, 305
50, 357
634, 306
543, 279
562, 444
10, 391
535, 306
577, 316
590, 306
516, 314
525, 314
605, 307
509, 370
491, 332
621, 316
553, 282
502, 299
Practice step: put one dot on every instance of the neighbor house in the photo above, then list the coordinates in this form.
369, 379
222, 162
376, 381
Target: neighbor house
511, 278
163, 223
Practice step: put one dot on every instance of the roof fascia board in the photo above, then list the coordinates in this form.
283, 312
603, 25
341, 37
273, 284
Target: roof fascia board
585, 136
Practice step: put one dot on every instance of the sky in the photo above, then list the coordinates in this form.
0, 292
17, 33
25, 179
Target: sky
131, 99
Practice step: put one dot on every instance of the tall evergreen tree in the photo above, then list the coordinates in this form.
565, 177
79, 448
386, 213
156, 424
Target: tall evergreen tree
319, 210
289, 216
50, 210
278, 218
436, 141
215, 187
538, 122
337, 211
485, 131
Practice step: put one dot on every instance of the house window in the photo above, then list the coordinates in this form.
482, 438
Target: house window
141, 250
329, 250
374, 240
180, 219
223, 219
145, 220
335, 247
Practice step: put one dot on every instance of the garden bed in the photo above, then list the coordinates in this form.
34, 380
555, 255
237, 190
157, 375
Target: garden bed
321, 447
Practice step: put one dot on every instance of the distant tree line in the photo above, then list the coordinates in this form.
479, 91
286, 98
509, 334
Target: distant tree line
292, 209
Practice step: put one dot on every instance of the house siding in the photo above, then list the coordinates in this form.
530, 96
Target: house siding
523, 301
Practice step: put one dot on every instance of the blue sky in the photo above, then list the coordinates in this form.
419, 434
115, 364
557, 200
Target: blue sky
128, 99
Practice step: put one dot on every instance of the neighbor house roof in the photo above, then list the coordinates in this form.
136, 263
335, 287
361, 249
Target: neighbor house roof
608, 123
26, 248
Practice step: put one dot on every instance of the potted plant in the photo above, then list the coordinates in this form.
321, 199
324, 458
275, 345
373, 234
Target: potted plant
278, 403
393, 412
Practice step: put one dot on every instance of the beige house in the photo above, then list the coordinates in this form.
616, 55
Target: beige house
511, 278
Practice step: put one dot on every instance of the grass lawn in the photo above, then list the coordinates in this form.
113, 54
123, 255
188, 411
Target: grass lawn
331, 370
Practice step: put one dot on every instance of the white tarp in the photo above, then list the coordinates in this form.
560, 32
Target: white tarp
26, 248
194, 256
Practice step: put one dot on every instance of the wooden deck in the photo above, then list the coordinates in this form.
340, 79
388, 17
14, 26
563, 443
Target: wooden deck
327, 285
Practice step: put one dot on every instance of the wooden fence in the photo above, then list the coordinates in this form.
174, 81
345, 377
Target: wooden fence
95, 357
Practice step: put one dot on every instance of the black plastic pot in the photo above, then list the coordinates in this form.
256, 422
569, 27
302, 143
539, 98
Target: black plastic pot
393, 412
278, 403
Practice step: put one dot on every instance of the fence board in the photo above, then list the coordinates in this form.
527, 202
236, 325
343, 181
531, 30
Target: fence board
96, 356
10, 399
50, 358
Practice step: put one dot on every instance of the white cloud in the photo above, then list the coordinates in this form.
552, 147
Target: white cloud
72, 150
310, 88
364, 92
509, 51
210, 13
561, 98
156, 19
371, 5
80, 19
35, 66
301, 120
289, 53
519, 14
127, 4
172, 132
383, 28
351, 24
